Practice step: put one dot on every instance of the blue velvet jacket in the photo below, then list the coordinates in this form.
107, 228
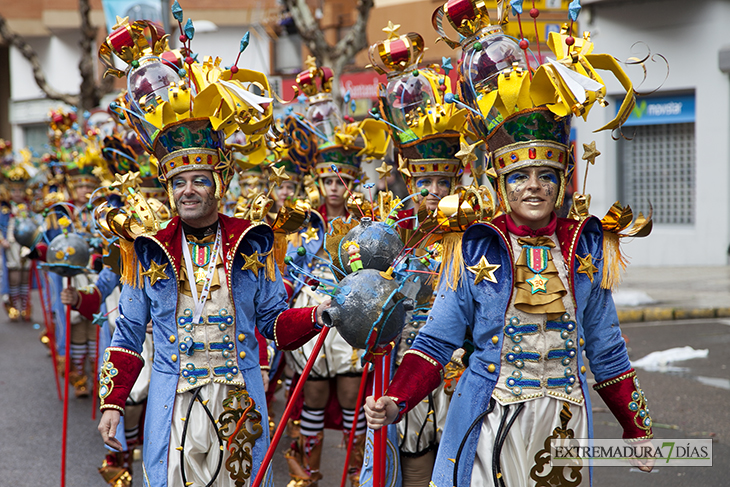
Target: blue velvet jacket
258, 302
481, 309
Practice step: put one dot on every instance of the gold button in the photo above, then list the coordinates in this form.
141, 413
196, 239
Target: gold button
491, 368
581, 341
495, 339
242, 354
174, 357
583, 369
241, 337
172, 338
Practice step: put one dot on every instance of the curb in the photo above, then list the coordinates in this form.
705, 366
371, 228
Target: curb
668, 314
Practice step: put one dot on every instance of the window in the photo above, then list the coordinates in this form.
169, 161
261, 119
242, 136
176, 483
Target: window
658, 166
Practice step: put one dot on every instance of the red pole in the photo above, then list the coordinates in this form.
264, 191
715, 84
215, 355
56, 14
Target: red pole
65, 396
384, 437
290, 406
358, 405
50, 330
378, 436
95, 370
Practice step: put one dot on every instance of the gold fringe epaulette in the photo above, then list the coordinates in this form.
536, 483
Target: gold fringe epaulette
130, 267
279, 250
271, 263
619, 223
452, 261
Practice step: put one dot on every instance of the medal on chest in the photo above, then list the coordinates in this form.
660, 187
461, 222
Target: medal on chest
537, 261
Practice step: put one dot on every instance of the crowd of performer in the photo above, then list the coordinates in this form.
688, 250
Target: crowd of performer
195, 254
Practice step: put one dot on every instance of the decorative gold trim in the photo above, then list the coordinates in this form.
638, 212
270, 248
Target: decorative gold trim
424, 357
125, 350
110, 406
614, 381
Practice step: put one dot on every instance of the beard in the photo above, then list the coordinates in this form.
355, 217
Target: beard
198, 214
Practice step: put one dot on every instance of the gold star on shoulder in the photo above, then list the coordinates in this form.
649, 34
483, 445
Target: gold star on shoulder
590, 153
252, 264
586, 266
279, 175
484, 270
384, 170
156, 272
310, 234
537, 283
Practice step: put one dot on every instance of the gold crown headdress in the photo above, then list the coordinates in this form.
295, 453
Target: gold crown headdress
181, 109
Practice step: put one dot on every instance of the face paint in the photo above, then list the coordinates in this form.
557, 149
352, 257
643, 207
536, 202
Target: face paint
532, 193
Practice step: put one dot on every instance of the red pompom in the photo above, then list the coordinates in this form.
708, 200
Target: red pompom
570, 41
189, 60
183, 38
234, 69
524, 44
534, 13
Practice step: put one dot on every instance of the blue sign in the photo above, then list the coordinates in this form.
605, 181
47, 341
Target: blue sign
660, 110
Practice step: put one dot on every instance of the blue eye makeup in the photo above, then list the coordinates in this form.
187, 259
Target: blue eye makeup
549, 176
423, 183
203, 181
515, 177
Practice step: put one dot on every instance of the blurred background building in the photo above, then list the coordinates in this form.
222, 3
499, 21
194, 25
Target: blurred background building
682, 118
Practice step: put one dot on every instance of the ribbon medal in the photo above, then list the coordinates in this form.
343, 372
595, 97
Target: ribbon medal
537, 261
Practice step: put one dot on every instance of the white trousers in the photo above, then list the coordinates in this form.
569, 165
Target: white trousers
525, 439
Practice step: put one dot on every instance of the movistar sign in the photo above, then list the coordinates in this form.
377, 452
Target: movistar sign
657, 110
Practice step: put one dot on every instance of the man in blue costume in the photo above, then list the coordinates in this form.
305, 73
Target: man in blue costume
206, 358
533, 300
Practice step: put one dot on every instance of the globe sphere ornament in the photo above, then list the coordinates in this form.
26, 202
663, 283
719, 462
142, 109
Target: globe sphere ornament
379, 245
68, 255
28, 231
369, 308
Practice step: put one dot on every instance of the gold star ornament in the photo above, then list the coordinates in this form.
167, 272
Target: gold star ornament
384, 170
279, 175
484, 270
252, 264
586, 266
466, 153
391, 30
590, 153
156, 272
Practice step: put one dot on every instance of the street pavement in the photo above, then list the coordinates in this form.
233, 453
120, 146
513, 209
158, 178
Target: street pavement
688, 399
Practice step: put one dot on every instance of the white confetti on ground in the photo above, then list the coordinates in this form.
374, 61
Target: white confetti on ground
661, 360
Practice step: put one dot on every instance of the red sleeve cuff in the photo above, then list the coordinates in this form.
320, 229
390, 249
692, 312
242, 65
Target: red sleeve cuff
89, 302
295, 327
417, 375
263, 350
118, 374
626, 400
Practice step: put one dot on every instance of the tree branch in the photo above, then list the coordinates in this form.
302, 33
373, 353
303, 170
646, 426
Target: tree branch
308, 28
29, 53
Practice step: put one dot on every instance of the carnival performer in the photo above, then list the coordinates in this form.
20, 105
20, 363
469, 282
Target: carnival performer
432, 154
82, 183
335, 378
205, 281
535, 299
16, 261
